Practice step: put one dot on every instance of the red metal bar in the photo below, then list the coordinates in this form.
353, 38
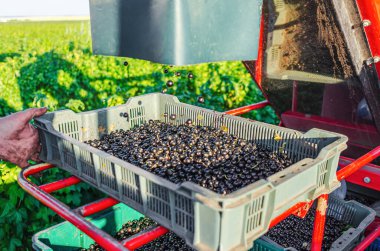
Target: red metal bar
248, 108
102, 238
295, 97
260, 56
145, 238
368, 176
40, 168
302, 211
368, 240
108, 242
293, 210
372, 227
59, 184
359, 163
97, 206
319, 223
370, 11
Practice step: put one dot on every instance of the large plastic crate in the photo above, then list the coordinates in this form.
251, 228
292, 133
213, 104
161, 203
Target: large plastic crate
352, 213
235, 220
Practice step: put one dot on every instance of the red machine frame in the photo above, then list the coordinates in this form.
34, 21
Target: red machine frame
76, 217
370, 11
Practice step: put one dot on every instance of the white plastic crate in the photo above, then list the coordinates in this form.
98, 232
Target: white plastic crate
207, 220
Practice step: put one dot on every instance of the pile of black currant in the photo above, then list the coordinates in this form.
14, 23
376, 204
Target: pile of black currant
133, 227
297, 233
169, 241
365, 200
206, 156
129, 229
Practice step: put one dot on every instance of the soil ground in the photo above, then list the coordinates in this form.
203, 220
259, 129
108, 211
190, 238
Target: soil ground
314, 43
313, 40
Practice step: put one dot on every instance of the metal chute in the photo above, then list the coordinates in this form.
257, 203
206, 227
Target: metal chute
178, 32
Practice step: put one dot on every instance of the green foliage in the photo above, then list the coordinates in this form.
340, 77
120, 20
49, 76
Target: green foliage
75, 105
21, 215
50, 64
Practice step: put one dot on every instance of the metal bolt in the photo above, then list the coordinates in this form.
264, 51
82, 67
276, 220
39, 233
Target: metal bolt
373, 60
367, 180
366, 23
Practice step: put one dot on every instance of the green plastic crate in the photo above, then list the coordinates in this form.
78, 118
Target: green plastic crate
234, 220
262, 245
66, 237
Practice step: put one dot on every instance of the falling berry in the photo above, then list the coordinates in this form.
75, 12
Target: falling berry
201, 99
166, 71
190, 75
178, 74
126, 63
173, 116
164, 90
166, 114
189, 122
169, 83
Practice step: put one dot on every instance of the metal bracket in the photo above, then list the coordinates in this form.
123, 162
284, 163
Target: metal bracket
373, 60
355, 38
364, 23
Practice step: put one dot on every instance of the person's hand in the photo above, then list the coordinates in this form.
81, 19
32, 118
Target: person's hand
19, 140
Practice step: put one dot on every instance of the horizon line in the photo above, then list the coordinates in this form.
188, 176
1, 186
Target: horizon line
44, 18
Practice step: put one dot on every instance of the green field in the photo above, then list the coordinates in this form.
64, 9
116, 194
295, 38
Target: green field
50, 64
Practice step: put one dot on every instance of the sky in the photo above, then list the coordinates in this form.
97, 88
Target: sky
41, 8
